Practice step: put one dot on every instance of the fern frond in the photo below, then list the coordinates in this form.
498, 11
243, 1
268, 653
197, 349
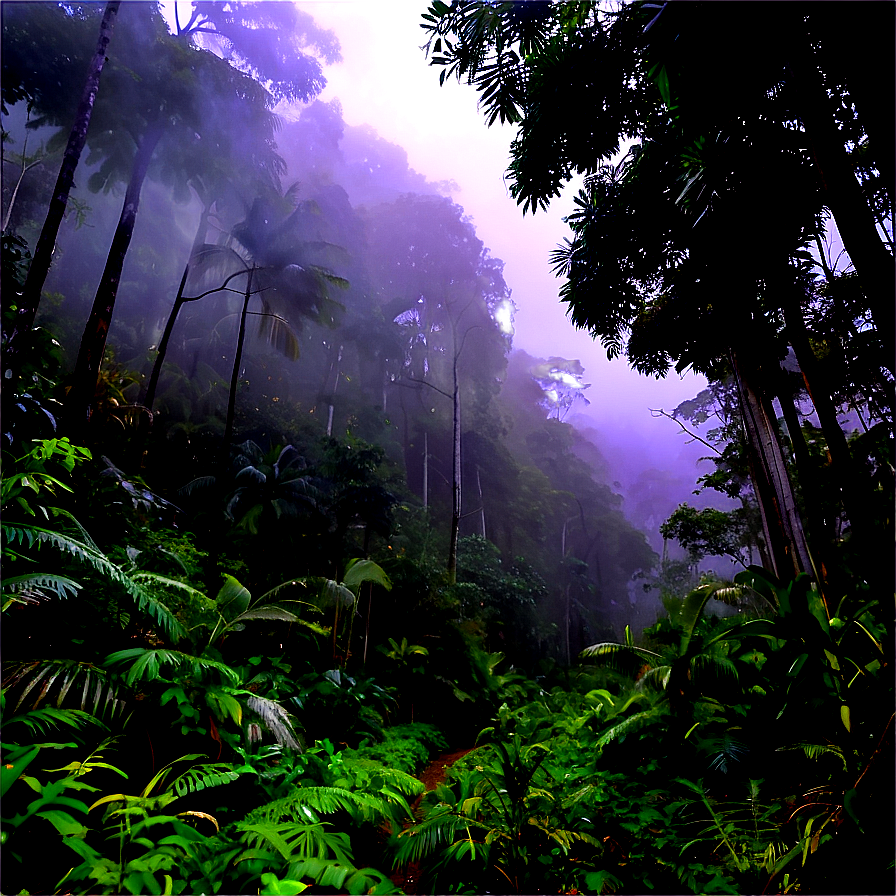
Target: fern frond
816, 751
202, 777
307, 803
86, 552
301, 840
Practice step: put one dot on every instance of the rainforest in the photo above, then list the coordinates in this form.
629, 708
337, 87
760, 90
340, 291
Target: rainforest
318, 578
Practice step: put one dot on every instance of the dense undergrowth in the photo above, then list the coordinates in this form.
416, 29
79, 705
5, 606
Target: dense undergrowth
717, 755
309, 523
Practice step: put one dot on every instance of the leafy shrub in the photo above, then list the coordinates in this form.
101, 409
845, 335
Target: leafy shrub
405, 747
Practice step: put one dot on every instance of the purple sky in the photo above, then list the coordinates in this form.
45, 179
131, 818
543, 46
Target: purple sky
385, 81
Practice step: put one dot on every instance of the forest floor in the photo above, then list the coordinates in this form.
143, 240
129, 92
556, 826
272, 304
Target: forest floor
408, 877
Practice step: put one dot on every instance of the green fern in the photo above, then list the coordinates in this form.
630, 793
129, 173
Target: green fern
304, 804
86, 552
816, 751
298, 839
203, 777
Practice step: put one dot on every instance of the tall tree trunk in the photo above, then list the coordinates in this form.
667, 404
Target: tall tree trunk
807, 474
163, 344
456, 481
841, 190
179, 301
855, 489
237, 360
43, 252
425, 470
481, 500
93, 342
331, 404
780, 516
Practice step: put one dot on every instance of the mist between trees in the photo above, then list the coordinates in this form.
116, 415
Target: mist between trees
275, 473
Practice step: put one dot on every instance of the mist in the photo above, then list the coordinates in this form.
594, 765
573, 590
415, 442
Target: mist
391, 191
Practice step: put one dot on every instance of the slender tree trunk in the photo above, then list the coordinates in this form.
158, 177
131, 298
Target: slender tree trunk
237, 360
855, 488
456, 480
163, 344
807, 474
425, 470
43, 252
566, 621
93, 342
331, 405
781, 520
481, 501
179, 302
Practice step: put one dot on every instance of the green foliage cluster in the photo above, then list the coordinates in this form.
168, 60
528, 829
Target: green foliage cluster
405, 747
231, 636
697, 771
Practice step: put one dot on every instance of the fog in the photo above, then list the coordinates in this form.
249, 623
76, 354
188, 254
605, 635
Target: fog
384, 80
391, 189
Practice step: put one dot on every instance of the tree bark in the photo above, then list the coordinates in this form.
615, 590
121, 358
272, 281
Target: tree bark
163, 344
425, 470
780, 516
93, 342
43, 252
238, 357
179, 301
456, 481
807, 474
855, 489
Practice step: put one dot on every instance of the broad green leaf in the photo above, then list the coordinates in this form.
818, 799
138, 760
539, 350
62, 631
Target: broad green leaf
361, 571
233, 598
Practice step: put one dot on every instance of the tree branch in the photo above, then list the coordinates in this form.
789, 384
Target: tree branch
693, 435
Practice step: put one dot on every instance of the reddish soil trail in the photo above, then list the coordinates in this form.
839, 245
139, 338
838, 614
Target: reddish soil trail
408, 877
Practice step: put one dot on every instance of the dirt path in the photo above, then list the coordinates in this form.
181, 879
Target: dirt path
408, 877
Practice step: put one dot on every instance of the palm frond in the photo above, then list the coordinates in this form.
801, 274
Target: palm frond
340, 877
99, 695
655, 679
277, 720
40, 721
630, 725
623, 658
37, 586
440, 827
711, 668
198, 484
147, 663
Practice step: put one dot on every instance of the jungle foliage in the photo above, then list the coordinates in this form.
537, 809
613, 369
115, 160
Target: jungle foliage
284, 517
